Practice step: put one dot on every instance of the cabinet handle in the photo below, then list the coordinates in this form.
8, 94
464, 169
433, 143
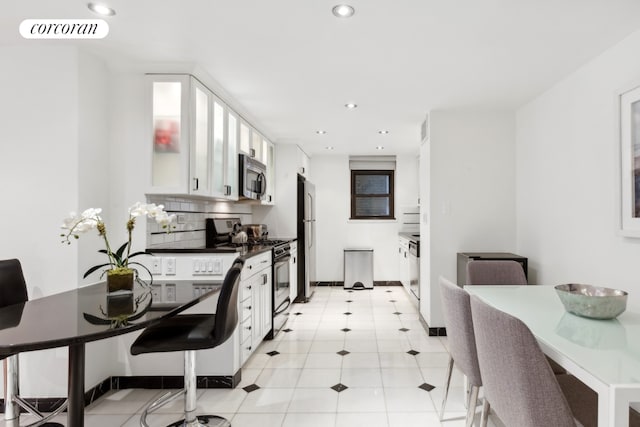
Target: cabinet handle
399, 250
302, 170
249, 348
196, 183
227, 190
249, 287
269, 197
250, 267
252, 152
248, 307
405, 254
264, 279
249, 327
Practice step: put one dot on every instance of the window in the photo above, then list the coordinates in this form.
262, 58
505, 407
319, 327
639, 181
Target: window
372, 194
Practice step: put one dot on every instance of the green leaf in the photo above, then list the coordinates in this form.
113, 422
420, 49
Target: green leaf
121, 250
94, 268
95, 320
145, 252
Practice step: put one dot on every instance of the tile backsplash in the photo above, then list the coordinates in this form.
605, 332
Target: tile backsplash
189, 231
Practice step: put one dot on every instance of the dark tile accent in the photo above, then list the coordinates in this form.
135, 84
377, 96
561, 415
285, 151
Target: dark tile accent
341, 284
349, 291
298, 313
437, 332
287, 330
392, 300
348, 313
387, 283
349, 300
389, 290
345, 330
343, 352
339, 387
413, 352
426, 387
250, 388
273, 353
397, 312
404, 329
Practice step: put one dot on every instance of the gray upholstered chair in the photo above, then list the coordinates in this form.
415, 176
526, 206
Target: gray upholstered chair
495, 272
462, 346
517, 380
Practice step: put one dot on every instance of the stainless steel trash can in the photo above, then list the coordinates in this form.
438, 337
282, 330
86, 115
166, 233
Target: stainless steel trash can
358, 268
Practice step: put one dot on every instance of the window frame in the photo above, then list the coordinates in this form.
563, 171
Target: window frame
391, 194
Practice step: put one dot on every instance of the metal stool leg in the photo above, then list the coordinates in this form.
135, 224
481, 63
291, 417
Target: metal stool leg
11, 387
446, 386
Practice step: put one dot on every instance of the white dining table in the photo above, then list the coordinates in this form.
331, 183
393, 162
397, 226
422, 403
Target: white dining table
603, 354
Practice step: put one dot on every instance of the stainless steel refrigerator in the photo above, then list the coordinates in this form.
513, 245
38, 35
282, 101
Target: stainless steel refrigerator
306, 239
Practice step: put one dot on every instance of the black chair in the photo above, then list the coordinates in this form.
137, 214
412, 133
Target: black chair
188, 333
13, 291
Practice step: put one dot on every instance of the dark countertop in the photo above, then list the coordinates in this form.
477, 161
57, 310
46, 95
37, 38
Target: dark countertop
415, 236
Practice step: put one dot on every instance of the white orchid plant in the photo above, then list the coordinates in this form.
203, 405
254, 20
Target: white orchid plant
119, 262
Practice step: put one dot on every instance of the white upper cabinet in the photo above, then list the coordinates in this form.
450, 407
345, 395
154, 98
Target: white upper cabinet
200, 170
170, 135
302, 162
251, 142
269, 149
231, 157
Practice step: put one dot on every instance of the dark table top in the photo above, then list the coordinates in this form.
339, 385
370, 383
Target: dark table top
85, 314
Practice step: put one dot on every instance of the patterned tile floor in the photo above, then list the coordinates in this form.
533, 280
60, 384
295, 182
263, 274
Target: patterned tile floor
348, 358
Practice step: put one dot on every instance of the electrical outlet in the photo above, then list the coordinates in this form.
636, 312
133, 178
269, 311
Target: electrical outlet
170, 266
170, 291
156, 292
156, 265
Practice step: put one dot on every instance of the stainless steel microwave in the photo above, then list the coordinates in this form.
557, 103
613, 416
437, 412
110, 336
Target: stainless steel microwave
253, 178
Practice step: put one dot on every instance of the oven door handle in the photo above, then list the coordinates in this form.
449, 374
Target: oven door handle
281, 310
282, 260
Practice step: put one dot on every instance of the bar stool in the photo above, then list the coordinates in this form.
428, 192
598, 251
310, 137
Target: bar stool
13, 290
188, 333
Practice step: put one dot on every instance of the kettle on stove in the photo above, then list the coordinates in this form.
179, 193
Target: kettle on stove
238, 235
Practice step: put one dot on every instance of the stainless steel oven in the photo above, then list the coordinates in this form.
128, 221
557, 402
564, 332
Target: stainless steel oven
281, 285
253, 178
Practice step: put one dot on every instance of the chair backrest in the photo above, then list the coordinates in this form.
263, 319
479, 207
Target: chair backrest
457, 318
517, 380
227, 309
13, 288
495, 272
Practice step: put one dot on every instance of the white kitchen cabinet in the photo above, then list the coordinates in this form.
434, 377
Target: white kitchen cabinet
404, 262
170, 142
251, 142
256, 308
225, 152
269, 197
302, 162
293, 272
195, 139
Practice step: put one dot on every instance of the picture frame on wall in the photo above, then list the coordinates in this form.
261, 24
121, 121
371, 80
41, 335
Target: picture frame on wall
629, 136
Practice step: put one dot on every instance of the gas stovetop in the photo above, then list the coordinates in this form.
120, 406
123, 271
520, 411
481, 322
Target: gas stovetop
252, 242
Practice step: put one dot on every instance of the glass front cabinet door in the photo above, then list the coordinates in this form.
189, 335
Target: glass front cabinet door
195, 140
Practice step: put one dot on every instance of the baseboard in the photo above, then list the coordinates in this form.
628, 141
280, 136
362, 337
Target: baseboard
433, 332
49, 404
375, 283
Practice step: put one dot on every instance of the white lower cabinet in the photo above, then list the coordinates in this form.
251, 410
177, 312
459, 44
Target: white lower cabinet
403, 262
255, 307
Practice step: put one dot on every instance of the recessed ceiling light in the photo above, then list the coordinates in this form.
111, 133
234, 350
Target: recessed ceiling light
379, 147
321, 132
351, 105
383, 132
343, 11
101, 9
328, 147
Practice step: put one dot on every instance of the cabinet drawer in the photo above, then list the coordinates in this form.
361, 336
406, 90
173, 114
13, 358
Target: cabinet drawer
245, 350
245, 330
245, 290
255, 264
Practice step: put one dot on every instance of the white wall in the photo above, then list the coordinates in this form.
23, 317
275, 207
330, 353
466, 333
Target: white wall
331, 176
53, 162
567, 177
471, 196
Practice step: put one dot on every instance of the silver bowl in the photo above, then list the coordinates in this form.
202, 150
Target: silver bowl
593, 302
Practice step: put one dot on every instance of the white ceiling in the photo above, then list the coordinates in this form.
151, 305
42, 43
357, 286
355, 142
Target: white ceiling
292, 65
